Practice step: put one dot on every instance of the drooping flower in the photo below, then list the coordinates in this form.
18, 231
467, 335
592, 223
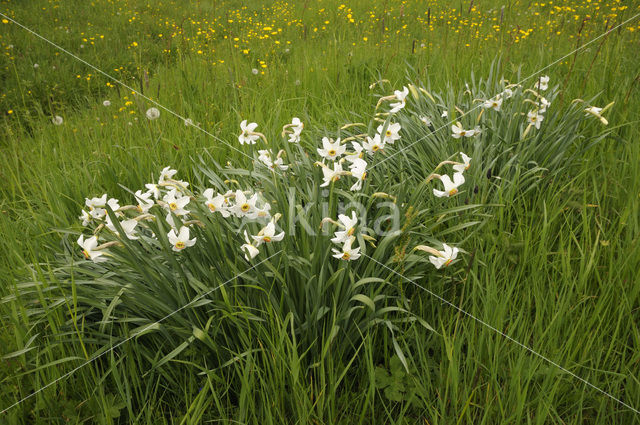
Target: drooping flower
391, 134
543, 104
248, 136
445, 257
153, 113
400, 97
249, 249
463, 167
89, 249
347, 253
268, 234
330, 149
596, 112
358, 169
450, 187
217, 203
535, 118
373, 145
181, 240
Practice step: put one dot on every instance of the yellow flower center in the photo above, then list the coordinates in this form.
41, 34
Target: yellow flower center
180, 245
533, 119
388, 133
375, 148
331, 152
447, 262
173, 206
245, 207
266, 239
453, 191
495, 104
211, 206
351, 231
346, 256
463, 132
85, 253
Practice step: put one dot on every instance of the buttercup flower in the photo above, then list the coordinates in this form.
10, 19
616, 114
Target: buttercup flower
181, 240
450, 187
153, 114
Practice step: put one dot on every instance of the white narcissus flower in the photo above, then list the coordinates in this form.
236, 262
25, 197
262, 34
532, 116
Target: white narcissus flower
217, 203
114, 204
248, 136
153, 189
85, 217
347, 253
144, 201
358, 169
57, 120
458, 131
391, 133
426, 121
268, 234
167, 173
535, 118
181, 240
331, 175
243, 206
445, 114
544, 104
262, 212
106, 103
296, 125
461, 168
127, 225
266, 158
96, 202
176, 203
89, 249
373, 145
450, 187
349, 226
542, 83
249, 249
495, 103
330, 149
447, 255
508, 93
400, 96
153, 114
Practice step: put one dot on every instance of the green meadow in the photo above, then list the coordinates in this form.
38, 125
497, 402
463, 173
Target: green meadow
536, 321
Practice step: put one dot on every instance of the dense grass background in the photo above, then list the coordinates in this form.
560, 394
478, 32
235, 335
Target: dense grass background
556, 269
